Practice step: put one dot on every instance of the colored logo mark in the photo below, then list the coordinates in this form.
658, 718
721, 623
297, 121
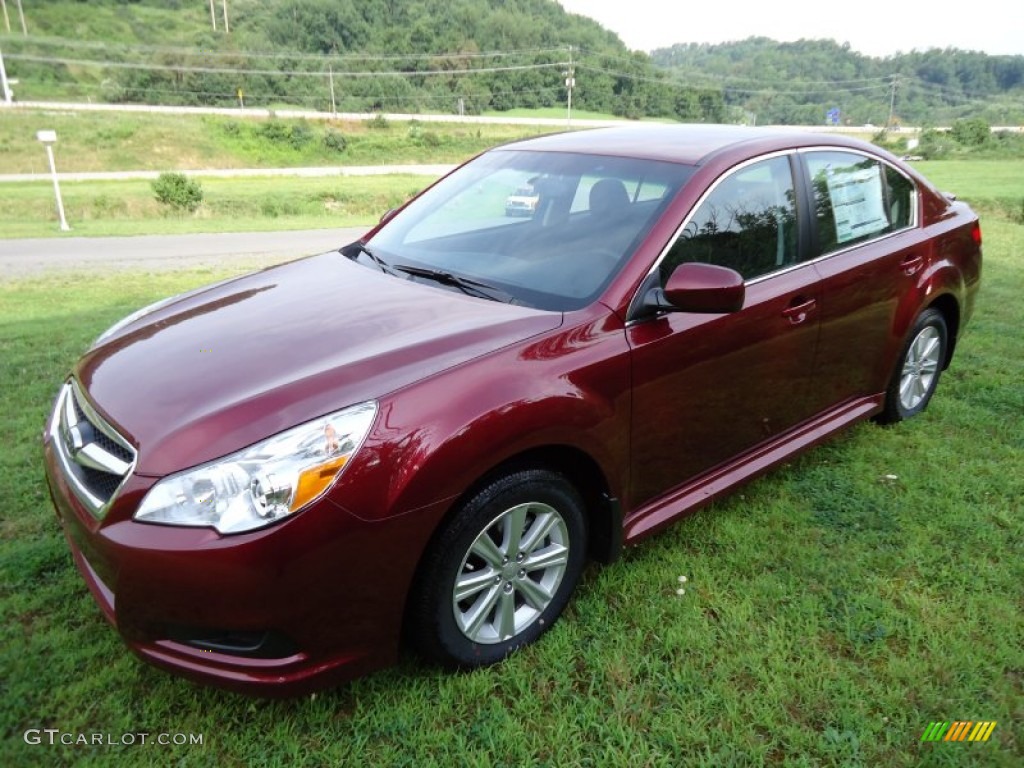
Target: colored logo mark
959, 730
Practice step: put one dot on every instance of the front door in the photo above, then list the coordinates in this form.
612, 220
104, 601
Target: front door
707, 388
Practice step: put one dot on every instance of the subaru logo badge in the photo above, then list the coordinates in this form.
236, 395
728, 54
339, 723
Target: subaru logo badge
73, 440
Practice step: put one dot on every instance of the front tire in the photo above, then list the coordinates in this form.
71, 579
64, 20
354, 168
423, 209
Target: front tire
501, 571
917, 372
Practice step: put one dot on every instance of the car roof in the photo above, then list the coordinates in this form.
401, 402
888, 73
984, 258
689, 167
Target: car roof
679, 143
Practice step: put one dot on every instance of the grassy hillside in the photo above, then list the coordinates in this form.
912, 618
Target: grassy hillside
104, 141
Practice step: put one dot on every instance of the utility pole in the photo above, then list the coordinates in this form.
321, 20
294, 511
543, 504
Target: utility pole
224, 5
892, 102
7, 19
330, 76
21, 13
570, 82
213, 16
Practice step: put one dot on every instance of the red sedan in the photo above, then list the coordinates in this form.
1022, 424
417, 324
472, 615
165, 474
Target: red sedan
270, 482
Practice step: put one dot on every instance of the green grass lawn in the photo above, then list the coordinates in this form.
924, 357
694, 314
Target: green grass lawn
977, 180
992, 186
833, 609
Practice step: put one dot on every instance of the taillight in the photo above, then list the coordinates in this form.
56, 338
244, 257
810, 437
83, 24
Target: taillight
976, 233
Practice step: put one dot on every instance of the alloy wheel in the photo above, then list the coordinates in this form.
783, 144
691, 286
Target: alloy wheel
510, 573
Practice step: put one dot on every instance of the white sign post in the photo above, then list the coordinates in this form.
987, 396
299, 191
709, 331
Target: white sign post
49, 138
5, 84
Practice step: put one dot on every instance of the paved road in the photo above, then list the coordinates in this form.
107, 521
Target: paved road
22, 258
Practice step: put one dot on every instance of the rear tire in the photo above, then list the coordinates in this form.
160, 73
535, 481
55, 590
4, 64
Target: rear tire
917, 371
501, 571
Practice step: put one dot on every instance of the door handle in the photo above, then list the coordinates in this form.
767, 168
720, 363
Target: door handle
798, 310
912, 264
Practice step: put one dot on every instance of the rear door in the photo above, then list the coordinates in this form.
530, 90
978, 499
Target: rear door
872, 253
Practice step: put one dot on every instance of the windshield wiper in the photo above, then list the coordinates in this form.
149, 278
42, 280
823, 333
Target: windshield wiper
360, 248
465, 284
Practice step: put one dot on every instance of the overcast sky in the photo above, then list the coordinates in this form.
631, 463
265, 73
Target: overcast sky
873, 27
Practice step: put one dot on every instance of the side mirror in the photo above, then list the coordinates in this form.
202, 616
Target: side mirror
702, 288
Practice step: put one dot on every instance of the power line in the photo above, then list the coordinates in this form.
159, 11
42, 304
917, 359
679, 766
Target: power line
229, 94
295, 55
805, 92
675, 76
811, 86
628, 76
676, 72
288, 73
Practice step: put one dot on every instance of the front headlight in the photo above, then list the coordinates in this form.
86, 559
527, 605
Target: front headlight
264, 482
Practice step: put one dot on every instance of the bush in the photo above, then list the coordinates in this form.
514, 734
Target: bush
334, 140
890, 141
935, 145
300, 135
274, 131
178, 191
296, 135
971, 132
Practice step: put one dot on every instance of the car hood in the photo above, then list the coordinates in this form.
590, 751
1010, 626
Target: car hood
219, 369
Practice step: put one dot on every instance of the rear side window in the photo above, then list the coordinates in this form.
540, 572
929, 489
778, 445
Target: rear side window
747, 223
857, 198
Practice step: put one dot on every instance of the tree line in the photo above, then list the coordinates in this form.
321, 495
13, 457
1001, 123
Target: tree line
801, 82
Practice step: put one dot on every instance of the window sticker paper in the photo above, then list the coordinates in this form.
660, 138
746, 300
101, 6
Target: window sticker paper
856, 196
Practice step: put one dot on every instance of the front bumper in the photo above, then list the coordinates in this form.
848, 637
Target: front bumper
312, 601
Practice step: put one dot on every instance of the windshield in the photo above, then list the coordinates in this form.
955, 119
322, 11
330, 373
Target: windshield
549, 229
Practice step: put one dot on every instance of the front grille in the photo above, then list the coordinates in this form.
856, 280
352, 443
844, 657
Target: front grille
102, 484
96, 459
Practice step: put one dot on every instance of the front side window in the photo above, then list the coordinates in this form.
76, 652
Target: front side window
550, 229
857, 198
747, 223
